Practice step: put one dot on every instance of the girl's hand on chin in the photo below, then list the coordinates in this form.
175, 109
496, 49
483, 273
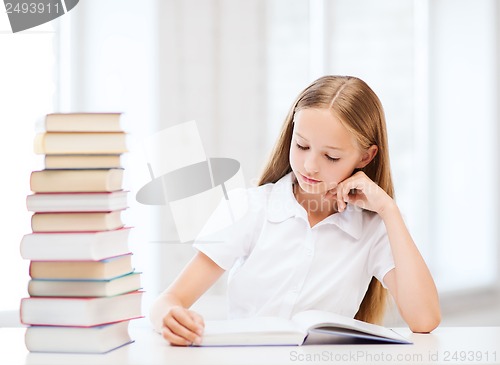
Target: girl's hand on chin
331, 197
362, 192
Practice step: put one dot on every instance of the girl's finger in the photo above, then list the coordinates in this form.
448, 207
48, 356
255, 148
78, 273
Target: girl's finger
340, 202
199, 322
179, 328
174, 339
185, 318
181, 331
346, 187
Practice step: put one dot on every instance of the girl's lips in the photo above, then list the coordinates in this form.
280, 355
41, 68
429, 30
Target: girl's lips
309, 180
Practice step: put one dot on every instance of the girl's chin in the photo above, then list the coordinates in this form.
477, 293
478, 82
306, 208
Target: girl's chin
317, 189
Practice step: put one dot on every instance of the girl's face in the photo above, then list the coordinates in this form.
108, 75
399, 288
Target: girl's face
323, 152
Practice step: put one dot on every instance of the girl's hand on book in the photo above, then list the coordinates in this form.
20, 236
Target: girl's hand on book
362, 192
182, 327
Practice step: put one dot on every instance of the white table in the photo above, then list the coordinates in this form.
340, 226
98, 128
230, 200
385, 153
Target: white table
446, 345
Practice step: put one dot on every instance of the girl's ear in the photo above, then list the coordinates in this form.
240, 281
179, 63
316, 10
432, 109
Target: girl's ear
367, 156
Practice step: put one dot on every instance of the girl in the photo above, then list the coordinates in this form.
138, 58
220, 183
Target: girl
322, 231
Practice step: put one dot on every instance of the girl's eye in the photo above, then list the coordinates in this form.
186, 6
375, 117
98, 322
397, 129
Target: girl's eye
333, 159
302, 147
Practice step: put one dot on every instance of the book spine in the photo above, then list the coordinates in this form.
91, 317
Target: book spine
78, 135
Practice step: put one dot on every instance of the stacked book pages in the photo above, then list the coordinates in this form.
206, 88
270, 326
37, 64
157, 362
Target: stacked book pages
83, 289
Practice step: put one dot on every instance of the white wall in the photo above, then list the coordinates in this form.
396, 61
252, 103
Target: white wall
26, 92
434, 65
108, 63
464, 163
212, 57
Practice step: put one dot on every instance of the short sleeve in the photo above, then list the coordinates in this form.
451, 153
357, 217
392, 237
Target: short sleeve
380, 260
227, 244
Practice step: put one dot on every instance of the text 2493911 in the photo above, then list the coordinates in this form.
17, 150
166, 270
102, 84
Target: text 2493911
33, 8
470, 356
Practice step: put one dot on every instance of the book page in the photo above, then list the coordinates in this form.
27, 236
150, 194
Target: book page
328, 322
312, 318
252, 331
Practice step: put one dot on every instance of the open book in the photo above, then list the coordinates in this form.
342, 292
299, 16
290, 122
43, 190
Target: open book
308, 327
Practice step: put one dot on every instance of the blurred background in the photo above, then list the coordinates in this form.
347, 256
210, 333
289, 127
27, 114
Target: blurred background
235, 66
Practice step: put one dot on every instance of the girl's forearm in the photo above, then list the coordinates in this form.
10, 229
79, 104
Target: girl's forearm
415, 292
198, 275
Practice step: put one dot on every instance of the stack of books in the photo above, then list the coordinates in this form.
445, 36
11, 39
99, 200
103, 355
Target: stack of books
83, 288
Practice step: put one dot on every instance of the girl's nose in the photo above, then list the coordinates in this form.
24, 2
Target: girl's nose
311, 164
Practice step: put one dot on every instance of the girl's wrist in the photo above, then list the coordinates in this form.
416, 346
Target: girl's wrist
389, 210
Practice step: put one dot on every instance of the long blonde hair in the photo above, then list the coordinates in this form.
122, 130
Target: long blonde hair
359, 109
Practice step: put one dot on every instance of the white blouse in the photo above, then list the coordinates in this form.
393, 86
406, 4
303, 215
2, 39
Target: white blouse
280, 265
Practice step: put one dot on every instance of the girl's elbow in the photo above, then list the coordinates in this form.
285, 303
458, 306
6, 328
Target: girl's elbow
426, 324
